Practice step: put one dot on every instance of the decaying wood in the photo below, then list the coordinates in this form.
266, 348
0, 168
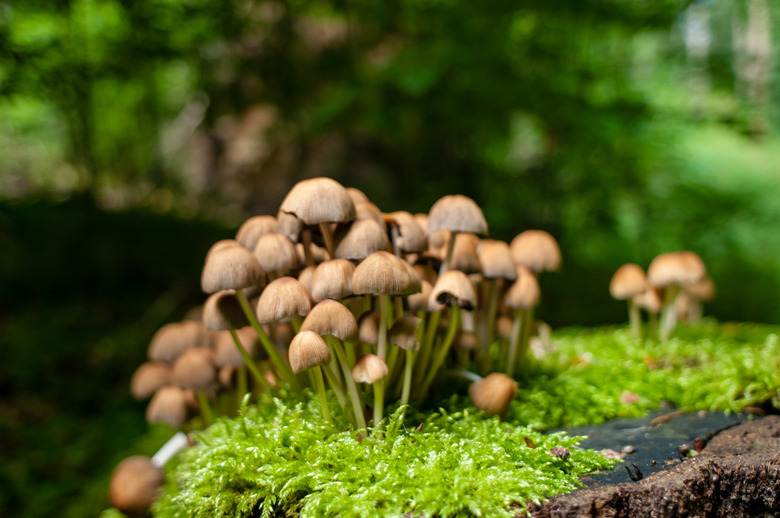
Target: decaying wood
736, 474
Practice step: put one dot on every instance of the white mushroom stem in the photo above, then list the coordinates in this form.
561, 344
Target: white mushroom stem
407, 377
515, 342
669, 313
327, 236
634, 318
441, 354
445, 265
174, 445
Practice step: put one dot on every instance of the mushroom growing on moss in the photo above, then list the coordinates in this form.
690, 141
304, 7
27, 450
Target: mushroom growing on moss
628, 282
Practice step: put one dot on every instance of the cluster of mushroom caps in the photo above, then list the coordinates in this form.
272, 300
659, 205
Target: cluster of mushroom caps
334, 294
675, 286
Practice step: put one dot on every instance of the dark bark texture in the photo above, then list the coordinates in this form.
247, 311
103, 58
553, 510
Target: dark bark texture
737, 474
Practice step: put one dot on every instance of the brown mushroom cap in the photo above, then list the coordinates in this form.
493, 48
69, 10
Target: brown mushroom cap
629, 280
367, 210
171, 340
650, 300
305, 276
496, 260
254, 228
421, 301
357, 195
537, 250
194, 369
276, 252
403, 333
703, 290
493, 393
168, 405
368, 327
359, 239
370, 368
454, 286
148, 378
381, 272
504, 327
332, 279
289, 225
319, 200
464, 254
223, 311
457, 213
282, 299
307, 350
675, 268
226, 353
411, 236
524, 292
332, 318
231, 268
135, 484
222, 244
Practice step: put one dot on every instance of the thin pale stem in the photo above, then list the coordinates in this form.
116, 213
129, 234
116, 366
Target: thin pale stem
357, 405
635, 319
407, 377
381, 344
327, 236
528, 321
276, 359
514, 342
489, 325
668, 313
426, 347
379, 402
441, 354
250, 364
241, 385
306, 234
445, 265
320, 383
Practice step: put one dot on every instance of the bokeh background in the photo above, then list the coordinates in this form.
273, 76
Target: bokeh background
135, 133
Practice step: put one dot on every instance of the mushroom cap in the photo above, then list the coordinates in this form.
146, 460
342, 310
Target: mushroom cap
524, 292
307, 350
368, 327
537, 250
168, 405
629, 280
454, 286
496, 260
357, 195
493, 393
466, 340
457, 213
675, 268
319, 200
360, 238
332, 318
306, 275
194, 369
135, 484
370, 368
148, 378
231, 268
171, 340
421, 301
281, 299
381, 272
254, 228
411, 236
403, 333
650, 300
289, 225
415, 286
276, 252
703, 290
367, 210
332, 279
223, 311
504, 327
222, 244
464, 253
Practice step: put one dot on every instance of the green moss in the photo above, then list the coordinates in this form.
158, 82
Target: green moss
281, 458
708, 367
284, 459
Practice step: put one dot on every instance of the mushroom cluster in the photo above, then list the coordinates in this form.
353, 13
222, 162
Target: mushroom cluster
362, 306
675, 286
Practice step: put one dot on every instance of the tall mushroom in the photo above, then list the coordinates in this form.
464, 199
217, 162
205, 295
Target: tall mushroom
456, 213
627, 282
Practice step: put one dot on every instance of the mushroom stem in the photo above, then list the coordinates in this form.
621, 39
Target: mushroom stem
174, 445
306, 234
445, 265
469, 376
205, 408
379, 402
241, 385
250, 365
441, 354
426, 346
668, 313
327, 236
488, 324
381, 344
281, 366
320, 383
635, 319
407, 377
357, 406
514, 341
528, 322
334, 380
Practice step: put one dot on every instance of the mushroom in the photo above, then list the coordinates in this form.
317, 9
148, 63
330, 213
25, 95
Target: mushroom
254, 228
627, 282
309, 351
456, 213
332, 279
497, 267
405, 334
537, 250
373, 370
135, 484
670, 271
148, 378
168, 405
276, 254
493, 393
522, 296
